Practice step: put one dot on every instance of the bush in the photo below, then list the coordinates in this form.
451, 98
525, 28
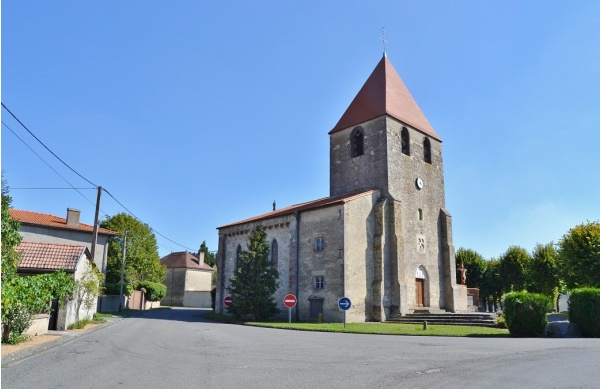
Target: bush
584, 309
155, 291
525, 313
114, 288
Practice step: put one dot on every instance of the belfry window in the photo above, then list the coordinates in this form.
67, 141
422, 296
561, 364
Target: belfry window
238, 255
274, 254
357, 140
405, 138
427, 150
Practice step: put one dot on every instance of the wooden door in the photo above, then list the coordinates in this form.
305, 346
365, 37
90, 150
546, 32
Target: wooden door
420, 289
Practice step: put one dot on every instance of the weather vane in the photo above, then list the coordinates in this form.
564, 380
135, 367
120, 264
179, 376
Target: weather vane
383, 40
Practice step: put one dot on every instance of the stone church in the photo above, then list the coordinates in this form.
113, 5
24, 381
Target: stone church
383, 237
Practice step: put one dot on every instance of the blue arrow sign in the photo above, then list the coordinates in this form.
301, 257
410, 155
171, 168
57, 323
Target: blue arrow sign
344, 303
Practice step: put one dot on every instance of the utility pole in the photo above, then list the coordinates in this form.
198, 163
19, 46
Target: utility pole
123, 269
95, 235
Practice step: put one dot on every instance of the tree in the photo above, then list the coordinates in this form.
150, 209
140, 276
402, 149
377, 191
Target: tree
491, 288
209, 258
514, 264
255, 280
579, 256
543, 272
86, 290
142, 262
10, 237
475, 265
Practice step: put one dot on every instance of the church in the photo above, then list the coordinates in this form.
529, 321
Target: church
383, 237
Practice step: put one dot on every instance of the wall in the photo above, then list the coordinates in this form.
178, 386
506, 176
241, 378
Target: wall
197, 299
175, 282
67, 314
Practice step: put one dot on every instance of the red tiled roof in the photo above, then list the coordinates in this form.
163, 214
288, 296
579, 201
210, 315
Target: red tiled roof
42, 219
50, 256
324, 202
384, 93
183, 259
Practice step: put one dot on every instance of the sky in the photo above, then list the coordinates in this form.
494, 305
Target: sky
197, 114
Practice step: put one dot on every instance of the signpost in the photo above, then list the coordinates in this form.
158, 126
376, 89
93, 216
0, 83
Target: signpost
227, 301
344, 304
290, 302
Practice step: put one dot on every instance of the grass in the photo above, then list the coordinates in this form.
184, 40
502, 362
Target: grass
97, 319
376, 328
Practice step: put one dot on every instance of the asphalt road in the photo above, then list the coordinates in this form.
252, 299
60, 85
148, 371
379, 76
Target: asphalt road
178, 348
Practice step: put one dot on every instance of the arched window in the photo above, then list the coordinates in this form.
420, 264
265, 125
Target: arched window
427, 150
357, 142
274, 254
405, 141
238, 254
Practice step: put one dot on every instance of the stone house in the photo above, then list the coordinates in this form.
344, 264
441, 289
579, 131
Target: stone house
188, 280
383, 237
41, 258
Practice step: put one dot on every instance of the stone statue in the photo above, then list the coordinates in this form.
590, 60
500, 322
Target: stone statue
463, 274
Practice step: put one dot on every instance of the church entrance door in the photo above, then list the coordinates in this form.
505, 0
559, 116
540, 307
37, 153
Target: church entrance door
420, 289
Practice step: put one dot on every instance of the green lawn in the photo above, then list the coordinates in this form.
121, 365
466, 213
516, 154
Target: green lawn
378, 328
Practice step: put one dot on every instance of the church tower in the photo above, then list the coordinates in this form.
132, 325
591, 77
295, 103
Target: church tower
384, 141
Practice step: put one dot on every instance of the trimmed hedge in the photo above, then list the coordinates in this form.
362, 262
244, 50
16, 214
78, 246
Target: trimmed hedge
525, 313
584, 309
155, 291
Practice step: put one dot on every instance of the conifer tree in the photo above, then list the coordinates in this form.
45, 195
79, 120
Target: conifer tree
255, 280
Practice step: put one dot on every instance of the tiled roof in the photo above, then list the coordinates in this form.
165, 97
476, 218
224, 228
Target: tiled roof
50, 256
384, 93
183, 259
42, 219
324, 202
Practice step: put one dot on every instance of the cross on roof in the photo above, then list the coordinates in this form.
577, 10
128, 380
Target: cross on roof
383, 40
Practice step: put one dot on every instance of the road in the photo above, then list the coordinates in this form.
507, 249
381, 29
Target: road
178, 348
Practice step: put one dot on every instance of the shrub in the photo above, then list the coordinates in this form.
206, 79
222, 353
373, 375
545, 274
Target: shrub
114, 288
155, 291
584, 309
525, 313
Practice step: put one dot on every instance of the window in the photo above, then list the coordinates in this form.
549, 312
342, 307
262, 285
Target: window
319, 244
238, 254
405, 141
427, 150
319, 282
274, 254
357, 142
420, 214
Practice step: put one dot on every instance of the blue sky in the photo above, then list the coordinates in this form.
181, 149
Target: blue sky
198, 114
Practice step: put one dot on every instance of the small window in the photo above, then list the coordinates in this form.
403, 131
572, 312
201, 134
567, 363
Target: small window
404, 137
357, 142
274, 254
319, 244
238, 255
427, 150
319, 282
420, 214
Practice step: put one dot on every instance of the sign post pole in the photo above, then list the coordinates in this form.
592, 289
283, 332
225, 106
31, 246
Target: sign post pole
344, 304
290, 302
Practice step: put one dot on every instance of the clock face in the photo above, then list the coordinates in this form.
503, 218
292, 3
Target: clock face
419, 183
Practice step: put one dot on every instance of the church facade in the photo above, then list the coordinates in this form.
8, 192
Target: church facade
383, 237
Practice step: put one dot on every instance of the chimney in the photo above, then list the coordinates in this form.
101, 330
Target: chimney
73, 217
200, 258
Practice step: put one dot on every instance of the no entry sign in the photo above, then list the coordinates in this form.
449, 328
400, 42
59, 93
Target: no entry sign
227, 301
290, 300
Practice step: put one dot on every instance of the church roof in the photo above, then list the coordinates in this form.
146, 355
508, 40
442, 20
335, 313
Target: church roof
384, 93
183, 259
324, 202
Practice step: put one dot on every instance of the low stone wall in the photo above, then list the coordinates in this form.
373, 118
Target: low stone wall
110, 303
196, 299
39, 325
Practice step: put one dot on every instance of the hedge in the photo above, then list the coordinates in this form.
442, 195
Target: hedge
155, 291
525, 313
584, 309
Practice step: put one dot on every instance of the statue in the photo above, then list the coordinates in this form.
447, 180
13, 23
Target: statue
463, 274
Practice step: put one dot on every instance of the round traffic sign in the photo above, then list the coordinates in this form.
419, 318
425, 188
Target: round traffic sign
227, 301
290, 300
344, 303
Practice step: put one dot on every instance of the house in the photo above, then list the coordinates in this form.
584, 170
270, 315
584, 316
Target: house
41, 258
188, 280
45, 228
383, 237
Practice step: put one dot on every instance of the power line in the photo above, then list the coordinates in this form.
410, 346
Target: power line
42, 143
73, 170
